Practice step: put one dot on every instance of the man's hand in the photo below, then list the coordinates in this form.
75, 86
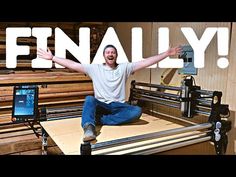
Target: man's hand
174, 51
45, 54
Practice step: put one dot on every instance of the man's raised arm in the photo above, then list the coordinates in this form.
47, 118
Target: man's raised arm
155, 59
61, 61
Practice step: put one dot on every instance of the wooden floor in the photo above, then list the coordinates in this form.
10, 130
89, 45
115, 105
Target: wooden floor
67, 134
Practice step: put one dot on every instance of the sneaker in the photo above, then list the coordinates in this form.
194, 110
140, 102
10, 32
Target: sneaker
89, 133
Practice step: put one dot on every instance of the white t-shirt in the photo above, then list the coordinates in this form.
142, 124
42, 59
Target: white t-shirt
108, 83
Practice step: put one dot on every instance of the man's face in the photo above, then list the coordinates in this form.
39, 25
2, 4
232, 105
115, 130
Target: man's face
110, 56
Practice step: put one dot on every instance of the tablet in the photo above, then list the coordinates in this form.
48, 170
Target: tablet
25, 102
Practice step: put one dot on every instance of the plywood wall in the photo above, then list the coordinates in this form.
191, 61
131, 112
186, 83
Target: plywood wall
231, 88
231, 79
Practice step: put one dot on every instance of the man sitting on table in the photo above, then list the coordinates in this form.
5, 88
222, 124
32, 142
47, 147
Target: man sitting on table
108, 106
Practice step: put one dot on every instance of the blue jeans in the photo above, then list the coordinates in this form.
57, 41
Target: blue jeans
115, 113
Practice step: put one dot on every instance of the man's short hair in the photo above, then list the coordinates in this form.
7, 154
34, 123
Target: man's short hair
108, 46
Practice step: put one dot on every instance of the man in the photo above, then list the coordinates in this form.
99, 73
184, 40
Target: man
108, 106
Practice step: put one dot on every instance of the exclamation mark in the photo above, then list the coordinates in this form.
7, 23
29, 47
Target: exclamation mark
223, 47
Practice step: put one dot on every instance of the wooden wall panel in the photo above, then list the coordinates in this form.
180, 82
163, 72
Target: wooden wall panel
231, 81
231, 87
